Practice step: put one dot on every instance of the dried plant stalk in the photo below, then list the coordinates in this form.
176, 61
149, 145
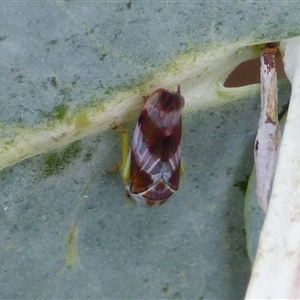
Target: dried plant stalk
268, 135
276, 270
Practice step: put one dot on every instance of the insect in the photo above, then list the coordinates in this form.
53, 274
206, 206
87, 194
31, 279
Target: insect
151, 168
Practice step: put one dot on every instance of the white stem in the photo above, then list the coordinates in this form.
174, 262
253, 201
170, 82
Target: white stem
276, 271
268, 135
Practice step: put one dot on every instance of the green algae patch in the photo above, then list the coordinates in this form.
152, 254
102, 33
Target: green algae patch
95, 103
88, 154
99, 108
82, 121
72, 256
8, 144
56, 162
58, 113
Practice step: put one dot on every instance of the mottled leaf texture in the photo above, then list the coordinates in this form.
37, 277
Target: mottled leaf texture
268, 136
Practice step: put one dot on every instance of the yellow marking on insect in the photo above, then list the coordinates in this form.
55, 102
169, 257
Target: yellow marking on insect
182, 169
124, 164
